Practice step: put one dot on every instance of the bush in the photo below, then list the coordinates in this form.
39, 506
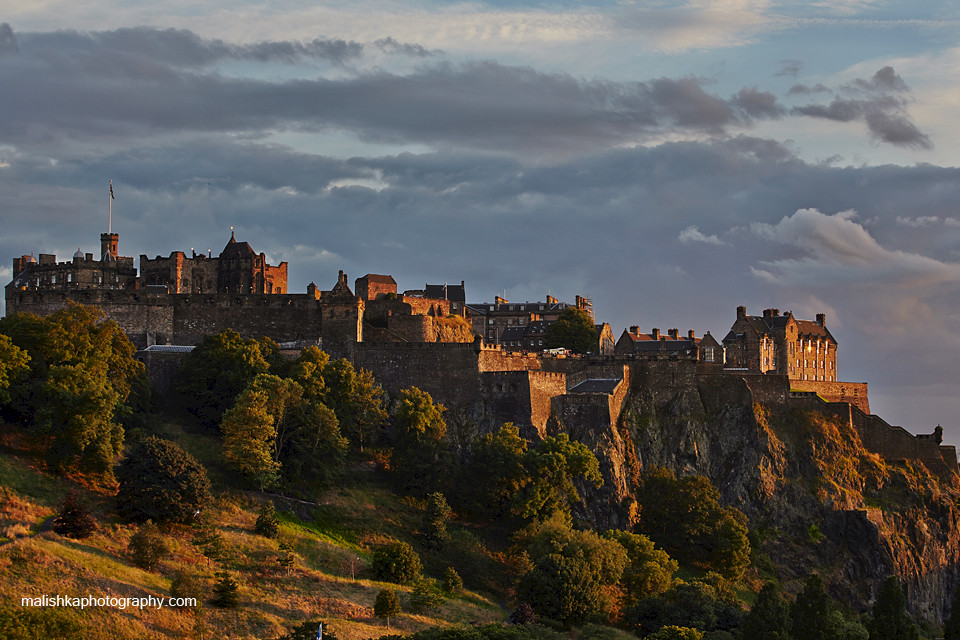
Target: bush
386, 605
74, 520
523, 614
159, 481
396, 562
452, 582
148, 546
26, 623
307, 630
187, 584
426, 595
226, 592
267, 523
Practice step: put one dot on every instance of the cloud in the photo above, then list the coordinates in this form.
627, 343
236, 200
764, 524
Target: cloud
802, 89
790, 68
879, 102
693, 234
835, 249
8, 41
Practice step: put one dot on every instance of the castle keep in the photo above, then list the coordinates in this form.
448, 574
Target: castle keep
484, 358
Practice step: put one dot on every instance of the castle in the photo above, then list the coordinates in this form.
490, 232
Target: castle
487, 357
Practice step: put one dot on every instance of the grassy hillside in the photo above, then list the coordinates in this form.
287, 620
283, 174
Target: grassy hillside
332, 539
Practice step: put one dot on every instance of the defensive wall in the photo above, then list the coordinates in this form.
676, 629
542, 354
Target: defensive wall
888, 441
523, 398
855, 393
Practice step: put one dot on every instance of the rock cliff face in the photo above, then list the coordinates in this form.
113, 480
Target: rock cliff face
815, 498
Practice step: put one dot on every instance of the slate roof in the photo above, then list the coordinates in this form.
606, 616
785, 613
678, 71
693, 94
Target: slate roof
379, 279
236, 249
452, 292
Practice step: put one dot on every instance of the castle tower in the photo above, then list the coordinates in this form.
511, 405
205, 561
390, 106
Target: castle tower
108, 245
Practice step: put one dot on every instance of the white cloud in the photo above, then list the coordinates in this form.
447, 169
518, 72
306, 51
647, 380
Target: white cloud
693, 234
838, 250
918, 222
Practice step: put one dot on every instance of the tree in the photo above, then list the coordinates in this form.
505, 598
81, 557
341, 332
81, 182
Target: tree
572, 571
573, 329
815, 616
148, 546
396, 562
425, 595
13, 364
160, 481
267, 523
307, 630
357, 401
551, 468
649, 571
226, 591
452, 582
676, 633
890, 620
74, 519
498, 459
418, 434
386, 605
770, 616
214, 373
186, 584
685, 517
694, 604
436, 518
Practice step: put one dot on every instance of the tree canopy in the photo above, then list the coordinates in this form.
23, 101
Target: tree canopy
573, 329
161, 482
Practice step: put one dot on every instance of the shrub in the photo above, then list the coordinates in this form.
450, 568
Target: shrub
396, 562
25, 623
187, 584
437, 516
74, 520
307, 630
426, 595
523, 614
226, 592
267, 523
452, 582
148, 546
387, 604
159, 481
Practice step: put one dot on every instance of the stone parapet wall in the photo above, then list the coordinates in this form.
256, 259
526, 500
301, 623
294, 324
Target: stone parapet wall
855, 393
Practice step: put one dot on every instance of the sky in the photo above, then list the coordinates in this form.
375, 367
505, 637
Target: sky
669, 160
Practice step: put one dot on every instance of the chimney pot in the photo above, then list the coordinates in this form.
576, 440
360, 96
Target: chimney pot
821, 319
741, 312
691, 334
655, 333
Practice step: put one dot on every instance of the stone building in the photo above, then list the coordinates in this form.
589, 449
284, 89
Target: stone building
109, 271
704, 349
492, 320
237, 269
802, 350
374, 286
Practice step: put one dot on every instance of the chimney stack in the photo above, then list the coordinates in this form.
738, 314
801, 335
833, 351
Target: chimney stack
741, 312
655, 333
635, 330
822, 319
691, 335
674, 333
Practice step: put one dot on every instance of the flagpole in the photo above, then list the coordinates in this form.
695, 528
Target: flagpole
110, 210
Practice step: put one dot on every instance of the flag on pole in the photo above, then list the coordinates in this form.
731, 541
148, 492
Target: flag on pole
320, 632
112, 197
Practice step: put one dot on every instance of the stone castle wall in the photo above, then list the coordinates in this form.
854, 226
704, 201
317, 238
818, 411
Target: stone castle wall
855, 393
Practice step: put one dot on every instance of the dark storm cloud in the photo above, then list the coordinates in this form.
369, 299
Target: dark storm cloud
880, 102
133, 82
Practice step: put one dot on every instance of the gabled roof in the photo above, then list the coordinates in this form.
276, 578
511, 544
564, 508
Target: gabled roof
236, 249
379, 279
513, 333
809, 328
453, 292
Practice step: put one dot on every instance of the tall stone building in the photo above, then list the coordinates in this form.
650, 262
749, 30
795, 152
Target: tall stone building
802, 350
84, 271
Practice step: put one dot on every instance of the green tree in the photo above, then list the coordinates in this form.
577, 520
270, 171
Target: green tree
694, 604
386, 605
82, 371
552, 466
187, 584
74, 519
436, 518
498, 459
226, 591
426, 594
572, 571
159, 481
13, 364
26, 623
267, 523
685, 517
676, 633
573, 329
148, 546
452, 582
815, 616
307, 630
357, 401
769, 618
890, 620
418, 433
649, 571
396, 562
214, 373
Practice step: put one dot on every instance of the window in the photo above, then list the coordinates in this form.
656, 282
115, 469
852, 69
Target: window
708, 354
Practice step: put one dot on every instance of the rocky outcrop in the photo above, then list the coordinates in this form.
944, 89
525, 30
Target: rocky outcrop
816, 499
